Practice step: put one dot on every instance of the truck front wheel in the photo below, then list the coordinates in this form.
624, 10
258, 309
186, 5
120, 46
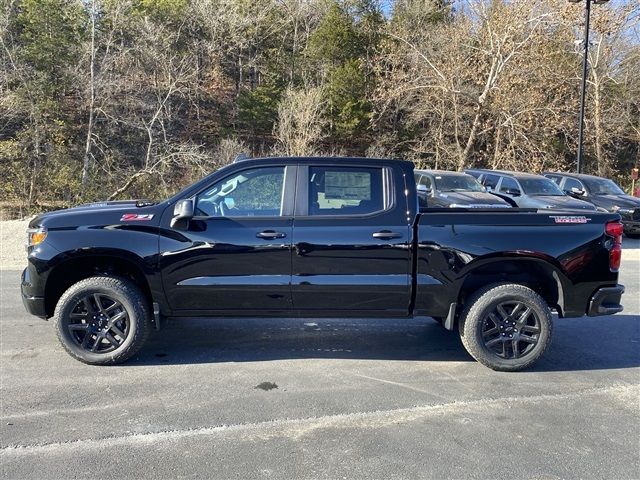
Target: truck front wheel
102, 320
506, 327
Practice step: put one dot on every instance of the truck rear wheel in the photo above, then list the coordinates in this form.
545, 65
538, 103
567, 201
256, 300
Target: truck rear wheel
102, 320
506, 327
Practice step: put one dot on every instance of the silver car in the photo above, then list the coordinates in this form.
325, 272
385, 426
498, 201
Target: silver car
527, 190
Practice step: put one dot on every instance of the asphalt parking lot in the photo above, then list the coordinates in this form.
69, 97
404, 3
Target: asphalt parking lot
255, 398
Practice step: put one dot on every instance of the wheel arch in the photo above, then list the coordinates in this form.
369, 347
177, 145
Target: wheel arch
84, 265
539, 274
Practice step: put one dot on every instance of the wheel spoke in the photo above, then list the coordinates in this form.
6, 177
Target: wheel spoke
112, 307
117, 331
494, 341
525, 316
531, 340
515, 348
494, 319
503, 313
98, 299
530, 329
78, 315
78, 326
117, 317
491, 331
96, 343
87, 305
110, 338
86, 339
516, 309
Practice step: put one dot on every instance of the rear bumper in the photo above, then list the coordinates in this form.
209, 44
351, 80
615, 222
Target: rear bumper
606, 301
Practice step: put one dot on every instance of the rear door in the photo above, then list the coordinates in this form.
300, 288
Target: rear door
350, 242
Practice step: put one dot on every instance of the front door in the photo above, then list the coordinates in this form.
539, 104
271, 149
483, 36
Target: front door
235, 257
350, 243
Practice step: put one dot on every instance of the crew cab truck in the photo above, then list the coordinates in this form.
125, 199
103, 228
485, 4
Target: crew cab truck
318, 237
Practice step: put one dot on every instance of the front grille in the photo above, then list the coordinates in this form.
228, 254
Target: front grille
636, 214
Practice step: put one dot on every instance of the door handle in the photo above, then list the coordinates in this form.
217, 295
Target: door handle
271, 234
386, 235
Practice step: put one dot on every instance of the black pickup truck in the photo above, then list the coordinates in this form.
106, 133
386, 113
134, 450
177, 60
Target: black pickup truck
318, 237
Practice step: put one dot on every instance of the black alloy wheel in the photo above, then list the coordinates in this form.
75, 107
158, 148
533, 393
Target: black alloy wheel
511, 330
99, 323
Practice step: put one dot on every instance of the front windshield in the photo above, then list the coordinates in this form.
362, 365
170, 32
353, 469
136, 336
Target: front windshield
540, 186
603, 187
457, 183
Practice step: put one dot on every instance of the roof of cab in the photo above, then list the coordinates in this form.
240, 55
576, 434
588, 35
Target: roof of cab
441, 172
307, 160
506, 173
575, 175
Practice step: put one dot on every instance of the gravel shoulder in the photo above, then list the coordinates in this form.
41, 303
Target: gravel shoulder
12, 242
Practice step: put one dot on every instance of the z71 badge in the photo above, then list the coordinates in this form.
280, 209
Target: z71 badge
135, 217
569, 219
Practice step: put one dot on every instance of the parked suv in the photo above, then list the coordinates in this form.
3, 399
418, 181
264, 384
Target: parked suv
526, 190
438, 188
605, 194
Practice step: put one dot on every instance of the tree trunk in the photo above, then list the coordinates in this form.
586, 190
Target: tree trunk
86, 161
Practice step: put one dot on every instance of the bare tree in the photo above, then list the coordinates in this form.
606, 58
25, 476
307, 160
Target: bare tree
300, 127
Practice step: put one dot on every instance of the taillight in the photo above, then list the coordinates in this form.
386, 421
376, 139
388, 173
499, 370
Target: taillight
615, 229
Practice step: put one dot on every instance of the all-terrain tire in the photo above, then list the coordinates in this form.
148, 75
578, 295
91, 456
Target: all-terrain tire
131, 300
479, 312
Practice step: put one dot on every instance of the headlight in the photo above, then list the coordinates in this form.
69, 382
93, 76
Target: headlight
35, 236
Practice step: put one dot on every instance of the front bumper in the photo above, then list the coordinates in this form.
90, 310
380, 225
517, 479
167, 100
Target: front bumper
631, 226
606, 301
33, 304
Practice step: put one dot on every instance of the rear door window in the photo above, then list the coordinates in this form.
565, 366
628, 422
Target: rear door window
556, 178
509, 186
345, 190
490, 181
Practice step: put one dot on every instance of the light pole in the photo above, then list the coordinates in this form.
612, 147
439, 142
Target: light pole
585, 64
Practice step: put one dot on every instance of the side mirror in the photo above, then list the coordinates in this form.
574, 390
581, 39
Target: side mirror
576, 192
182, 214
513, 192
422, 188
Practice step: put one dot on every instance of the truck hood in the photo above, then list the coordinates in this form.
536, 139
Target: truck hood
620, 201
561, 202
99, 213
470, 199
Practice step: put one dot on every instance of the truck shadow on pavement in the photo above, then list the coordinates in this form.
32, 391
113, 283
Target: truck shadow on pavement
578, 344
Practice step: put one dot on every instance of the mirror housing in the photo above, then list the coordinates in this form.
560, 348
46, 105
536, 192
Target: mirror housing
513, 192
576, 192
182, 213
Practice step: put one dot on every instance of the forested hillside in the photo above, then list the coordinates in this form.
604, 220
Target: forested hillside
136, 98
